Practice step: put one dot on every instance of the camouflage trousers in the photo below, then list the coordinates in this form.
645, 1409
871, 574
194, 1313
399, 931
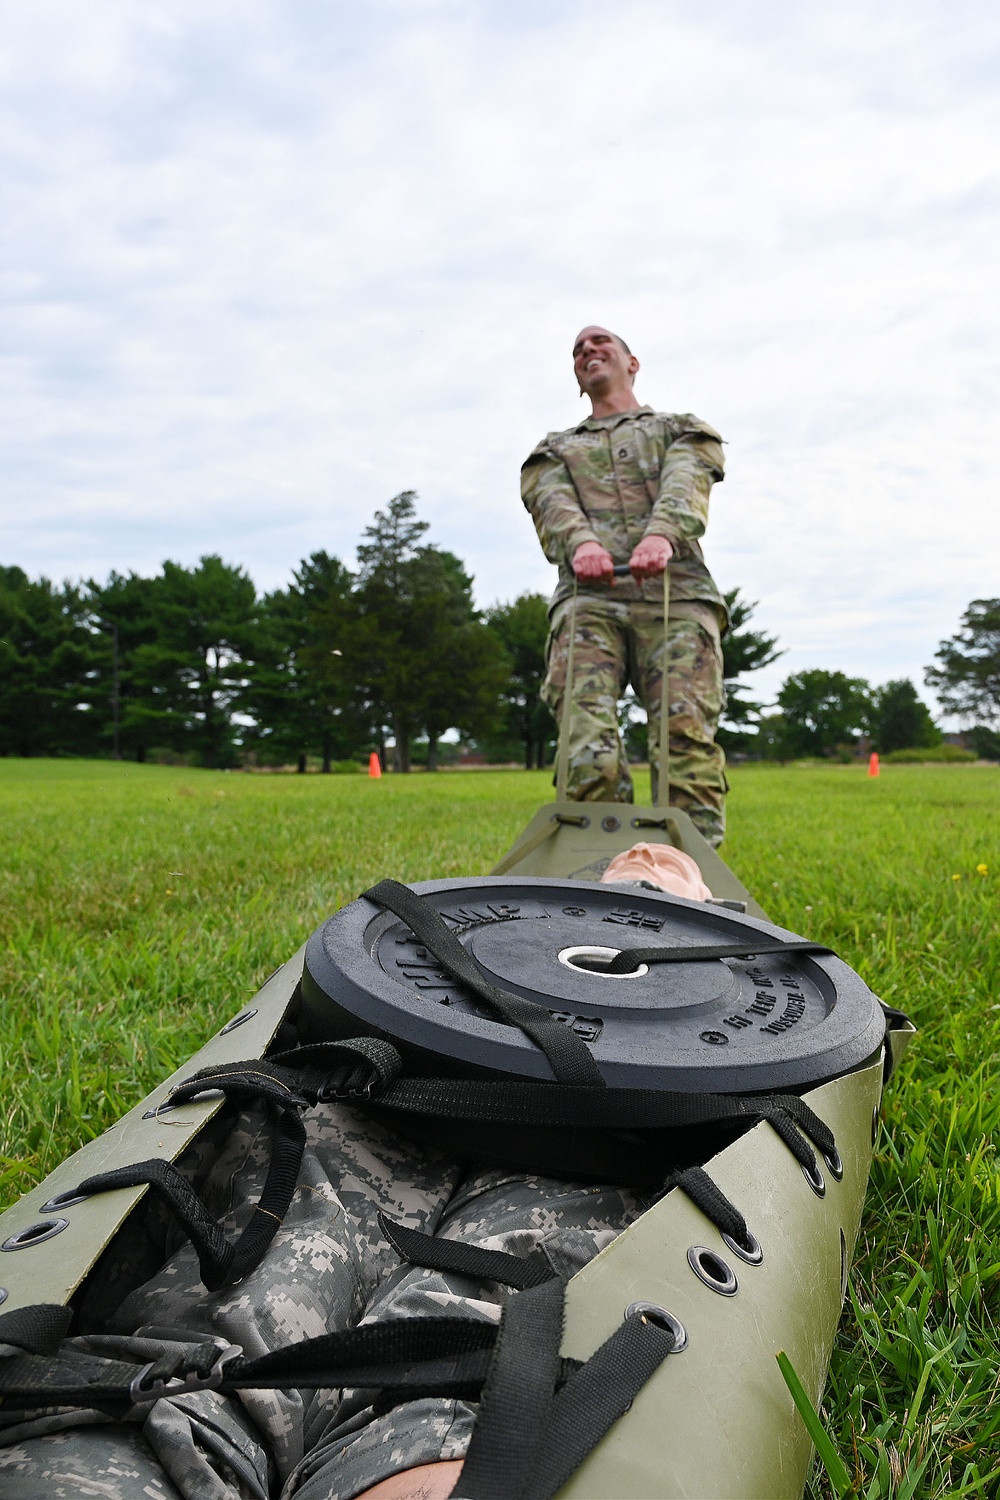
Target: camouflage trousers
328, 1268
617, 644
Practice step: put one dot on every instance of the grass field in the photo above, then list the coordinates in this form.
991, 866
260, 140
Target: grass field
141, 906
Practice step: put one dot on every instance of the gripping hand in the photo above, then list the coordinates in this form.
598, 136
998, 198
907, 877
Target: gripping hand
593, 563
650, 557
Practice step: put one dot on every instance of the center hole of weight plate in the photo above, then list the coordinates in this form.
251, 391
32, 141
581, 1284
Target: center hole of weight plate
589, 960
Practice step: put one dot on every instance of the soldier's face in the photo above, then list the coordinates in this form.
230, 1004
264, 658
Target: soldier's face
599, 360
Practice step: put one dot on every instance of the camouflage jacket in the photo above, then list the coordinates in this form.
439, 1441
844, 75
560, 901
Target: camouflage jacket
614, 480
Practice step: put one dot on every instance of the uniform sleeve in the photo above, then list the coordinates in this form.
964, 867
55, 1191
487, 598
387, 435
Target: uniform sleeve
550, 496
692, 463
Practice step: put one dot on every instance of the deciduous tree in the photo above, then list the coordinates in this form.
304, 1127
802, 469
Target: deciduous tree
967, 678
461, 683
821, 711
522, 627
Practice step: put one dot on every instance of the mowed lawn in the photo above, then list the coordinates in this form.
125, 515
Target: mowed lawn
141, 906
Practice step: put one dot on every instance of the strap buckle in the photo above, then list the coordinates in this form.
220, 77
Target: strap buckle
143, 1391
358, 1079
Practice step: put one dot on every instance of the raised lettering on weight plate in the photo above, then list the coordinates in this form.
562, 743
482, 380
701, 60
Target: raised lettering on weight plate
763, 1005
628, 916
793, 1011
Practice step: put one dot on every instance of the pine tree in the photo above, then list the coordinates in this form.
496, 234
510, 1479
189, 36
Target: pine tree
48, 658
743, 651
122, 613
299, 692
899, 720
191, 676
417, 647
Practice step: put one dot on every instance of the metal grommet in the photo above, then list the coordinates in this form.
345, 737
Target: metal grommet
68, 1199
35, 1234
750, 1252
815, 1179
835, 1164
611, 824
712, 1270
651, 1312
239, 1020
4, 1294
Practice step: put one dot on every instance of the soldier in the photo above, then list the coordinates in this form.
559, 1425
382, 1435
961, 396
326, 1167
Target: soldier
631, 485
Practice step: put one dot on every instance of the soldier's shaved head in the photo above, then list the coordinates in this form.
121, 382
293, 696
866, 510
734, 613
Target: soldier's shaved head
605, 369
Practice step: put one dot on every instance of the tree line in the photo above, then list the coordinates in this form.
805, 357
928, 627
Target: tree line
823, 713
193, 662
342, 661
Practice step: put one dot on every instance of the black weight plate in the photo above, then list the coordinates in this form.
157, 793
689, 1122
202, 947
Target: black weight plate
734, 1025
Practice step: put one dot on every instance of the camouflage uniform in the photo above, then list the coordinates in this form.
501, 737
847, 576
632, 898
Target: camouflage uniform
328, 1268
614, 480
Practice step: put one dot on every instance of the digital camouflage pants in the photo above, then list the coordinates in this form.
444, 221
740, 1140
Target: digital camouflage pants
617, 644
327, 1269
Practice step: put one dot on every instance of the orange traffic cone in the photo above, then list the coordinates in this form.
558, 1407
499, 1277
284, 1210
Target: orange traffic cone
374, 764
873, 763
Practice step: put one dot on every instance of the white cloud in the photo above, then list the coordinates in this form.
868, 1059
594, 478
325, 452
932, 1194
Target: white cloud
268, 265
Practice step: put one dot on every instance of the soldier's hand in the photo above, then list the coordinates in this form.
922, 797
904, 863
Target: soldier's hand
592, 562
650, 557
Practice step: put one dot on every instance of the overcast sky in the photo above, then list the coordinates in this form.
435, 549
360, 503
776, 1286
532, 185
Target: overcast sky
268, 262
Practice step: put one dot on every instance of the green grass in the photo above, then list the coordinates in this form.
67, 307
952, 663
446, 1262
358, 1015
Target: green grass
140, 906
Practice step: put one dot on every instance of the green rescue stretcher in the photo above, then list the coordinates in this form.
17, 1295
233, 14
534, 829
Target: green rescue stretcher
712, 1419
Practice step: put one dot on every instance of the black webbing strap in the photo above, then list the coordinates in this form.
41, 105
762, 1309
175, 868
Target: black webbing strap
709, 1197
519, 1272
785, 1112
38, 1329
462, 1259
512, 1101
221, 1262
523, 1102
591, 1402
369, 1075
540, 1414
630, 958
352, 1068
501, 1463
409, 1353
517, 1396
568, 1055
541, 1105
529, 1438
